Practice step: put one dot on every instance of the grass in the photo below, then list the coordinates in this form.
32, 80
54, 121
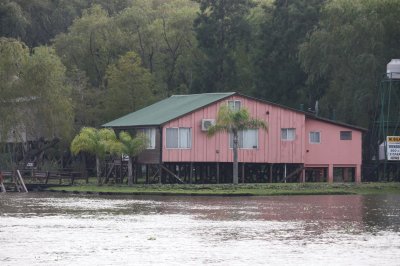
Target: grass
240, 190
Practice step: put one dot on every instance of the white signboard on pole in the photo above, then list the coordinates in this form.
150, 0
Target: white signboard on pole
393, 148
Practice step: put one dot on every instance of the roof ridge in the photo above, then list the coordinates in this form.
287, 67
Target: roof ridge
206, 93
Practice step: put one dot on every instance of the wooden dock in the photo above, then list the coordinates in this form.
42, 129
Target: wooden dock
21, 180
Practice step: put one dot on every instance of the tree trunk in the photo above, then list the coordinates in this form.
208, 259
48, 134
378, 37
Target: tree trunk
235, 158
130, 172
99, 179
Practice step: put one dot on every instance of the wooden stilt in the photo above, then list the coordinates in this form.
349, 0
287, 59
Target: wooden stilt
270, 172
147, 173
218, 173
243, 172
161, 173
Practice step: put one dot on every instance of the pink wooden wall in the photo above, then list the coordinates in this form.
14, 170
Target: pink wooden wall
332, 150
270, 149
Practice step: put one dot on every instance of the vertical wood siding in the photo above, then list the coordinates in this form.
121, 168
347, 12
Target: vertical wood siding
332, 150
270, 149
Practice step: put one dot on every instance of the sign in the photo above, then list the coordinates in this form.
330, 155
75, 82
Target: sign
393, 148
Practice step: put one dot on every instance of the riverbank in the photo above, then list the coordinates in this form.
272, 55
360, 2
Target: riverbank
238, 190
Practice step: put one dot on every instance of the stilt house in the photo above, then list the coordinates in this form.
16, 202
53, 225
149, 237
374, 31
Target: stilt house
298, 146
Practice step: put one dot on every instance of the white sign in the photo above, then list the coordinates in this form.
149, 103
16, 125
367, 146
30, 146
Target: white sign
393, 148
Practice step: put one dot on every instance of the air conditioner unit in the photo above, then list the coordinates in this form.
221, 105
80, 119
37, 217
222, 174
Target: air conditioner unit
206, 124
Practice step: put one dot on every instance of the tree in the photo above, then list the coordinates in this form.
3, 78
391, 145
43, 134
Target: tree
219, 27
96, 142
44, 80
132, 147
278, 74
34, 94
36, 22
232, 122
348, 53
129, 86
161, 33
91, 44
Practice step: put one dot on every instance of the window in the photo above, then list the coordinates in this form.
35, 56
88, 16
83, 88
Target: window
247, 139
288, 133
315, 137
179, 138
345, 135
150, 133
234, 105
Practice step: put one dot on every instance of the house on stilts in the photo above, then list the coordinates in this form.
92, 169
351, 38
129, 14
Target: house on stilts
297, 147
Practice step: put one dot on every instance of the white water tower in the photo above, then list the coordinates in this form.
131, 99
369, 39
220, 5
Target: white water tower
393, 69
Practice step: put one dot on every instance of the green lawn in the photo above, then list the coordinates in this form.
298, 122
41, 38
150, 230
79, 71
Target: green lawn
241, 189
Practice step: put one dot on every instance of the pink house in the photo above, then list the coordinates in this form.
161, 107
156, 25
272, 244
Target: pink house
298, 146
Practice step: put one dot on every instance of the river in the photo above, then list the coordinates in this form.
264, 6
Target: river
61, 229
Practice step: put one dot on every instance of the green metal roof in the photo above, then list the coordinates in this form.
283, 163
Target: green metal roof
167, 110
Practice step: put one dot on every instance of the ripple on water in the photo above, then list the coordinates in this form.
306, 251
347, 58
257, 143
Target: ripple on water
192, 231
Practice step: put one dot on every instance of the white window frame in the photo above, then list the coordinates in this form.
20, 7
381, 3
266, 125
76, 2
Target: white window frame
311, 139
150, 134
234, 105
346, 131
285, 135
180, 146
241, 137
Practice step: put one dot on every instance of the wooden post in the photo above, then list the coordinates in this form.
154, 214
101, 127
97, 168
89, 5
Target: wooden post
191, 173
270, 172
284, 173
217, 172
243, 172
345, 174
147, 174
357, 177
161, 174
330, 173
202, 173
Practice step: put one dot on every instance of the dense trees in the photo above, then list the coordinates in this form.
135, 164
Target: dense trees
127, 79
93, 60
221, 27
348, 53
279, 76
34, 96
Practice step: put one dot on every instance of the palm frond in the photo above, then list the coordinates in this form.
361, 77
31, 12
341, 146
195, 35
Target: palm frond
229, 121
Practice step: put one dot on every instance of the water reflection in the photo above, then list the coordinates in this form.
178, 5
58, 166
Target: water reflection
56, 229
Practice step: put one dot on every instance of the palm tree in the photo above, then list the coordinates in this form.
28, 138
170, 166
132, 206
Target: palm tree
232, 121
132, 147
97, 142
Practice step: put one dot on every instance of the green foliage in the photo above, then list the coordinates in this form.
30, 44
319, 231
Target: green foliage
220, 29
129, 86
348, 52
35, 98
233, 121
44, 80
36, 22
160, 32
132, 146
279, 76
94, 141
92, 42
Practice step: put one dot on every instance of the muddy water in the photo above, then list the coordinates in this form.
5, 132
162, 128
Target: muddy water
51, 229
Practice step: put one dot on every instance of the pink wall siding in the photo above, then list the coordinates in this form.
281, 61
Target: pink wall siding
332, 150
270, 149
